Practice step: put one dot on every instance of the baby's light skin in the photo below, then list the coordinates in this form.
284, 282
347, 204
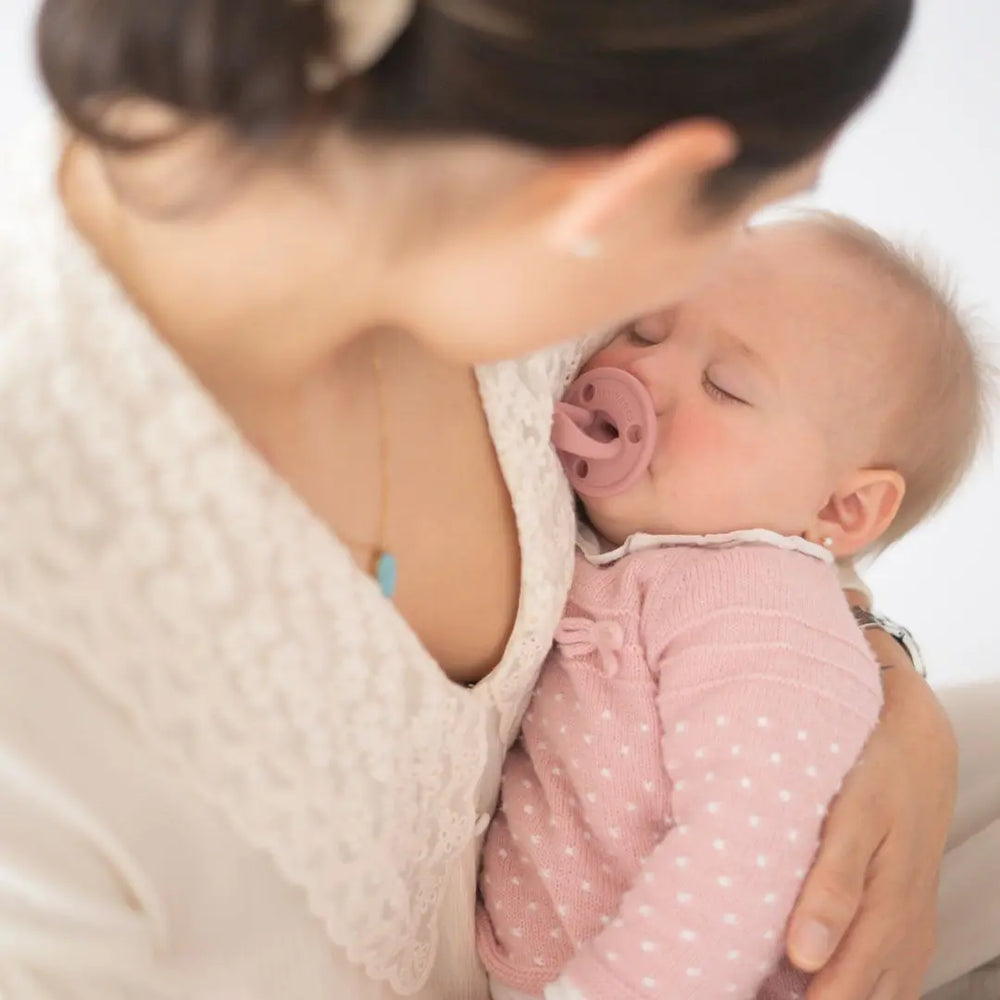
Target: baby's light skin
754, 378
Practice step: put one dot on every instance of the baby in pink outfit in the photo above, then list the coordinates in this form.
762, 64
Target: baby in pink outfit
708, 689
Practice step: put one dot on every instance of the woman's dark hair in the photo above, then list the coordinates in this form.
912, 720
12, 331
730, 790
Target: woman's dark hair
555, 74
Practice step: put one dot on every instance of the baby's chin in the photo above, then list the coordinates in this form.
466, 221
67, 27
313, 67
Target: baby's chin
613, 519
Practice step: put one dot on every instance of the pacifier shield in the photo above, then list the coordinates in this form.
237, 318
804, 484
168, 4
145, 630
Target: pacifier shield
605, 432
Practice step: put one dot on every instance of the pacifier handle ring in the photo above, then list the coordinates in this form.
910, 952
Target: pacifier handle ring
567, 435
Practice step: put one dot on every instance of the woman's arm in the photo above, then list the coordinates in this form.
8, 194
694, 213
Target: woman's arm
865, 918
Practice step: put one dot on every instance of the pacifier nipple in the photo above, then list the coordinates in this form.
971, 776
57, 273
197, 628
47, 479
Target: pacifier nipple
605, 432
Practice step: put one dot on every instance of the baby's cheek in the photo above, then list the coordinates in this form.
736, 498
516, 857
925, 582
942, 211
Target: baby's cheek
689, 436
719, 464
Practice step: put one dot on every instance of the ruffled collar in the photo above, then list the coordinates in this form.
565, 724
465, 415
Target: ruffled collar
598, 553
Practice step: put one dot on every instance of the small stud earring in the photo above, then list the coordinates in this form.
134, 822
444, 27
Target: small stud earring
828, 542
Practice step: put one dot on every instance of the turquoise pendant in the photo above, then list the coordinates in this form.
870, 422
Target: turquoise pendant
386, 573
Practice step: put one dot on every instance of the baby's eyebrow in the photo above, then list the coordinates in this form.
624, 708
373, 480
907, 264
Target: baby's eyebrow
730, 341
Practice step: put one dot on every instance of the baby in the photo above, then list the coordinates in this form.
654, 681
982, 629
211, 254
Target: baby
708, 689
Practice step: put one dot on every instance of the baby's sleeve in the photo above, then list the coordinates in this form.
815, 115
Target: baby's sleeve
762, 713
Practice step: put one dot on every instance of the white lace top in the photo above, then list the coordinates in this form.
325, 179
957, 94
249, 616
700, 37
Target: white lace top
206, 789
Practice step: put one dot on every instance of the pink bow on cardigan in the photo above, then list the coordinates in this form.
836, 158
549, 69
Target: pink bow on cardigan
580, 636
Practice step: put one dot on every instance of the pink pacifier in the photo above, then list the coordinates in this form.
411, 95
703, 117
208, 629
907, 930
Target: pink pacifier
605, 432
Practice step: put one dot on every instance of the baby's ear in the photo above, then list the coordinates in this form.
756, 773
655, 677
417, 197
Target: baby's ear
860, 511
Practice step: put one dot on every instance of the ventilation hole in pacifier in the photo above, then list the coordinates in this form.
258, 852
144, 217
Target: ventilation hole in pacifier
588, 393
582, 469
634, 434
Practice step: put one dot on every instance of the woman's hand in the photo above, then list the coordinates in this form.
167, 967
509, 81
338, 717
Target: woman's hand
865, 920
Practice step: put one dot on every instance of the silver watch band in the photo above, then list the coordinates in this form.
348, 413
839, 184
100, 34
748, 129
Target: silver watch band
868, 619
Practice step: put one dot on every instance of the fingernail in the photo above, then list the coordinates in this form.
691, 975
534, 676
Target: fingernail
811, 946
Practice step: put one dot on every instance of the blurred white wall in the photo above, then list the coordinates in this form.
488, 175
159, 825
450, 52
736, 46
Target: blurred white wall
923, 162
18, 92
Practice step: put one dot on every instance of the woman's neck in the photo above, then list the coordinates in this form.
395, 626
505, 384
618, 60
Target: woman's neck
262, 287
263, 277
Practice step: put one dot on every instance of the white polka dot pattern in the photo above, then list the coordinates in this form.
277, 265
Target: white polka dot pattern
675, 812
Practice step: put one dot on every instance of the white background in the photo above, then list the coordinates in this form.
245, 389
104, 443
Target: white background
923, 162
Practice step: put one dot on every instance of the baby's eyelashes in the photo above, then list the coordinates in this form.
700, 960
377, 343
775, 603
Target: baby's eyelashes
720, 392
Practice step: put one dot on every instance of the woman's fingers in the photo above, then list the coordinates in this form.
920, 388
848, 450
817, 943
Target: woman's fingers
878, 960
832, 894
865, 919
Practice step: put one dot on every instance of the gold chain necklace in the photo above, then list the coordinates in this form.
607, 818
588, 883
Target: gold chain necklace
383, 566
380, 563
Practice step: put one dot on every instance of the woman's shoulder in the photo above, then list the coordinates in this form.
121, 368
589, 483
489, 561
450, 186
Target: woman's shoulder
28, 203
52, 289
27, 273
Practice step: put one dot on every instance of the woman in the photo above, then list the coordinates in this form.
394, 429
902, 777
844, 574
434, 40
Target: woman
279, 566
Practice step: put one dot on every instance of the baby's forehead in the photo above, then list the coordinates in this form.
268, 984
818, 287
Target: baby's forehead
803, 249
797, 284
816, 307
